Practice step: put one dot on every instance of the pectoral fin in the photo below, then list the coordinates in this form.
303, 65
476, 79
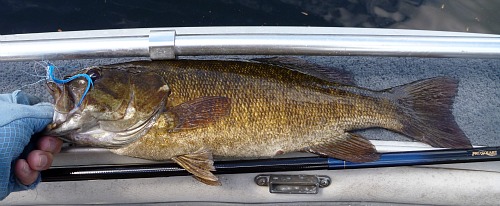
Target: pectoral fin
349, 147
200, 112
199, 164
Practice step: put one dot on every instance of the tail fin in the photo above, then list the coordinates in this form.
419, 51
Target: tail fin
425, 107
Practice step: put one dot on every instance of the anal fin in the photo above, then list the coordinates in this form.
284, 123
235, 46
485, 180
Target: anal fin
200, 164
349, 147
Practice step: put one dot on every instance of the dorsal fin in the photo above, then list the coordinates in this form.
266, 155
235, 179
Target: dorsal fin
329, 74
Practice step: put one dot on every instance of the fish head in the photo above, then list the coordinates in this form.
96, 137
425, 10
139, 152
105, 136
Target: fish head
120, 107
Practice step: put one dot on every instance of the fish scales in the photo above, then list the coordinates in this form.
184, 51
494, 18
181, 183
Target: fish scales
273, 110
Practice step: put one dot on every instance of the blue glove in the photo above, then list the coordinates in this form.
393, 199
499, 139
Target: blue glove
20, 118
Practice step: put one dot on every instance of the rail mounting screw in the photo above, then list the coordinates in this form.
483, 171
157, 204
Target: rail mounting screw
324, 182
261, 180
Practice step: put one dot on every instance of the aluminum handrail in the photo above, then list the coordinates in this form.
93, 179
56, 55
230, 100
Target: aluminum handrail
169, 43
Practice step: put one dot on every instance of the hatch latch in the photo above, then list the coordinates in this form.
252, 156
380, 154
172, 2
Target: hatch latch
293, 184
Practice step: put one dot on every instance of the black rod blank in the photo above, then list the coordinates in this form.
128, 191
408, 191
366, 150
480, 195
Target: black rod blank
99, 172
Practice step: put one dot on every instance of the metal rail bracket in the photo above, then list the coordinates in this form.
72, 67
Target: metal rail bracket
161, 44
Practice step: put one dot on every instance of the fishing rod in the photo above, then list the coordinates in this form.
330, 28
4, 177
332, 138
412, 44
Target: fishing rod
393, 159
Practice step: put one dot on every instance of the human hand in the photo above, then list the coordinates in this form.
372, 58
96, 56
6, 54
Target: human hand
20, 119
27, 170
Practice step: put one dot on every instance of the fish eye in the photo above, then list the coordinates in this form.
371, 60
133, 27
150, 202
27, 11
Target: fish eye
94, 74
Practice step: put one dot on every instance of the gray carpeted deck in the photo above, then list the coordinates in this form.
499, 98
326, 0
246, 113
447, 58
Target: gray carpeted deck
476, 108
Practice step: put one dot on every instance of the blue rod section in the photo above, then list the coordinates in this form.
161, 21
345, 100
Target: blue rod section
422, 158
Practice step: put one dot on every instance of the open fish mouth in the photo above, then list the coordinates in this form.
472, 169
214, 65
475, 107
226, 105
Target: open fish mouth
67, 95
64, 105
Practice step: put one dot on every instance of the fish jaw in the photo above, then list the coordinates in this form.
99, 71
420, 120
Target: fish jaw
97, 136
67, 125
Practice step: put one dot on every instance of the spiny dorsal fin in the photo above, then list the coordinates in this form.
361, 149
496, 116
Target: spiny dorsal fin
200, 112
329, 74
349, 147
199, 163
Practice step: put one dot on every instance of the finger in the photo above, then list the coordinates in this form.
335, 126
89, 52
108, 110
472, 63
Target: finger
50, 144
24, 173
39, 160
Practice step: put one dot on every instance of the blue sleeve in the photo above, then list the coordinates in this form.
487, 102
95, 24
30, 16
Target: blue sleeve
19, 121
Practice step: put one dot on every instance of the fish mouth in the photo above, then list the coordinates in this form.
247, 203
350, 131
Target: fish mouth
64, 107
53, 129
58, 120
64, 97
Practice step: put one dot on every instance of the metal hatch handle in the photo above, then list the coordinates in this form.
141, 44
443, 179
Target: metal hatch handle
168, 43
293, 184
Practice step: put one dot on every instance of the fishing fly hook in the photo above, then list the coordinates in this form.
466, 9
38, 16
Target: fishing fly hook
51, 77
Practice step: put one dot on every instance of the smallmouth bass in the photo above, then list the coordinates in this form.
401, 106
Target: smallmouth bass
190, 110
